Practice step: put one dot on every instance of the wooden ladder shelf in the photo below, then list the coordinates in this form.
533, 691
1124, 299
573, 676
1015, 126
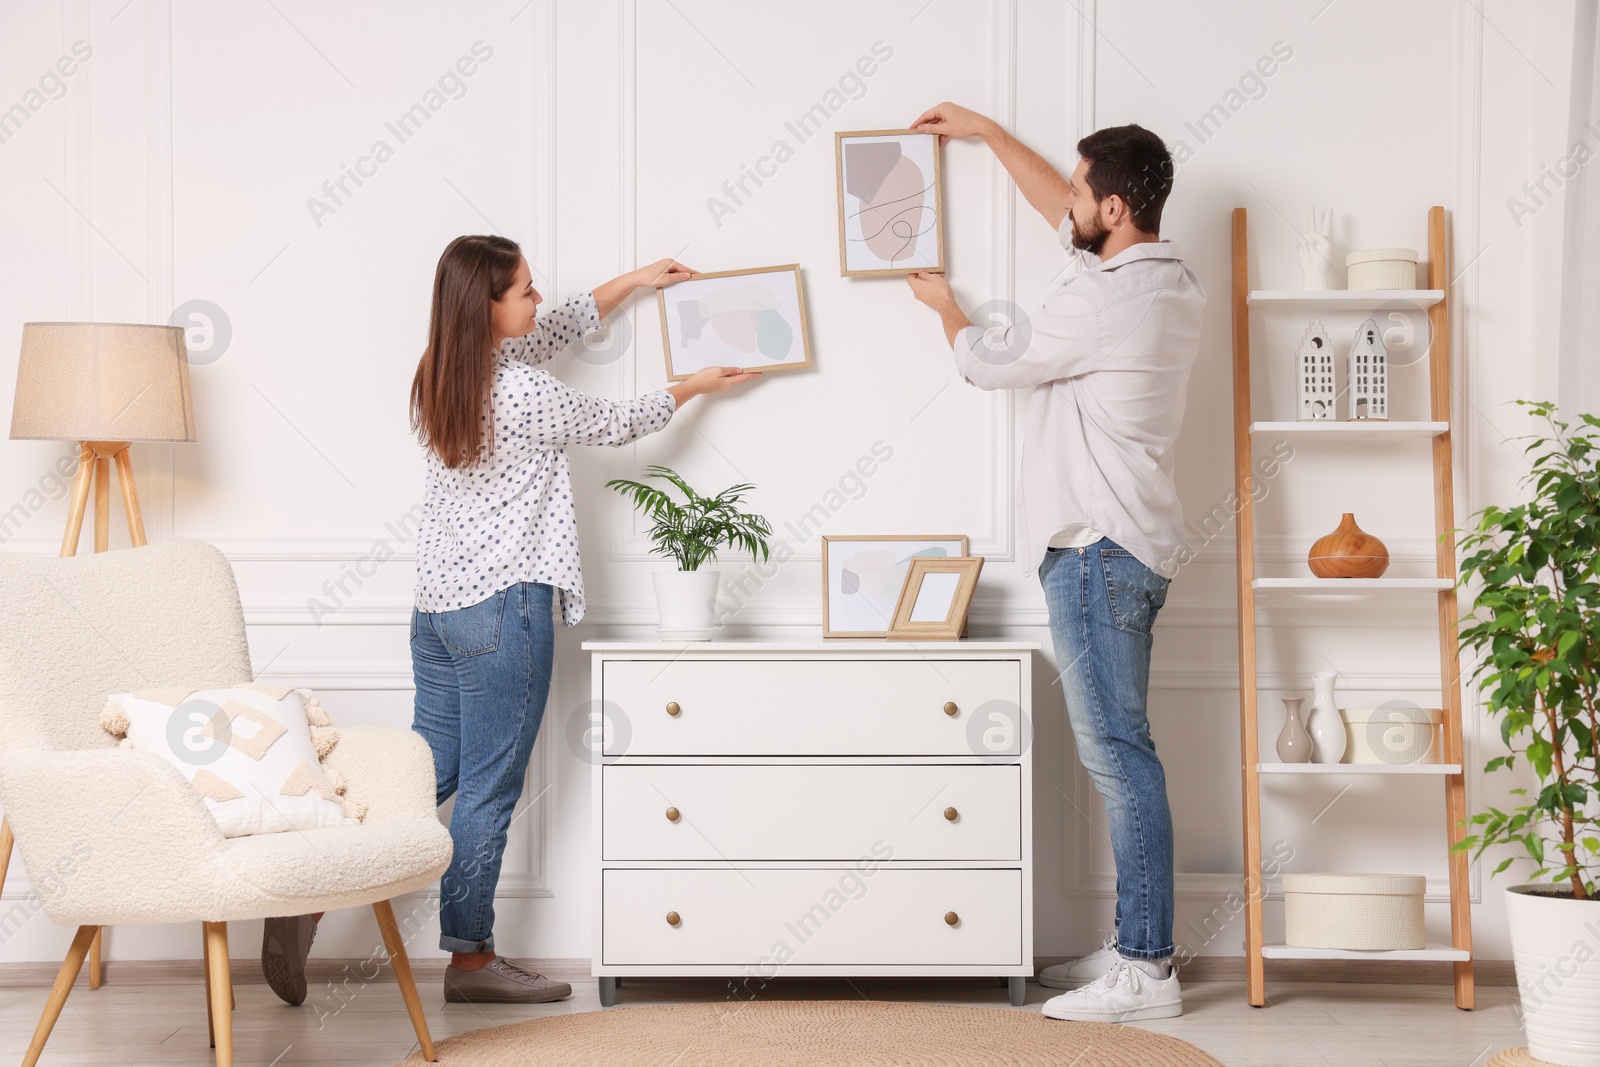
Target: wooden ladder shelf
1436, 299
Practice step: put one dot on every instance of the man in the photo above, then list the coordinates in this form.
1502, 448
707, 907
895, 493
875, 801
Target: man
1108, 360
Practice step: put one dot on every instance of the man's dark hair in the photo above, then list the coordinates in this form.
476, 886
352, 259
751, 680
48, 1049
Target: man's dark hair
1130, 162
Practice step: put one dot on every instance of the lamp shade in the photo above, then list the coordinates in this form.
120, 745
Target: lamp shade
102, 381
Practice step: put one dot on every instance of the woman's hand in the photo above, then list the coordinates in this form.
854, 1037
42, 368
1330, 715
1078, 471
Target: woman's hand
658, 275
662, 273
709, 380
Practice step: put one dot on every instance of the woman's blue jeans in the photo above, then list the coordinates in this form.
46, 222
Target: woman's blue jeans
1102, 604
483, 675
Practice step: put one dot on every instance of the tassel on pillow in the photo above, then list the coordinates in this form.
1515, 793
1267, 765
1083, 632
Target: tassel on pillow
324, 738
353, 808
316, 715
114, 720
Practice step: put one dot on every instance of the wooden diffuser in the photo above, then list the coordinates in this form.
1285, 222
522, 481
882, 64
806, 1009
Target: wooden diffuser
1348, 552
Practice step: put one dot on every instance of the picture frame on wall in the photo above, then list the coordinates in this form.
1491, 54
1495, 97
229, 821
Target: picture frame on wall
863, 574
891, 202
753, 319
935, 598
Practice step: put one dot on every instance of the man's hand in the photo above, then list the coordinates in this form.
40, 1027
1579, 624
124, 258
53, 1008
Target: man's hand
662, 273
932, 289
952, 120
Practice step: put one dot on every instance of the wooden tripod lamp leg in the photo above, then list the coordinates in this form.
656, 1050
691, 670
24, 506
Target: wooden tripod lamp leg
130, 497
80, 500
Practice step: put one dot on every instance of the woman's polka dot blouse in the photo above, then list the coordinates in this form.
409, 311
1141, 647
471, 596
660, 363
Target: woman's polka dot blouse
511, 519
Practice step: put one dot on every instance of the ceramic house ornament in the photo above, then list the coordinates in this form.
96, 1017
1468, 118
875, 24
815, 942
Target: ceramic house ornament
1368, 379
1314, 372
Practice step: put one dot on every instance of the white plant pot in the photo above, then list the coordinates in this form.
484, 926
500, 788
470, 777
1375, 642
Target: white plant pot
687, 602
1555, 942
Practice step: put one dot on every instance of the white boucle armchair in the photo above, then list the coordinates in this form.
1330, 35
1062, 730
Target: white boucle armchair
111, 836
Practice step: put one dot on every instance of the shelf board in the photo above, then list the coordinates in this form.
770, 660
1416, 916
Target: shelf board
1342, 429
1358, 768
1432, 952
1350, 585
1344, 299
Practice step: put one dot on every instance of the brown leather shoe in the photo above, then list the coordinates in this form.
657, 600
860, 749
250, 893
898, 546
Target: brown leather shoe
285, 944
501, 982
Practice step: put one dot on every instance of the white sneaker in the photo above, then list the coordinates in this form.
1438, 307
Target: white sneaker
1125, 994
1081, 971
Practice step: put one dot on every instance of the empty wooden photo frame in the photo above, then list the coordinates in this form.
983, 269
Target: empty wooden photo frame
891, 216
862, 576
934, 601
754, 319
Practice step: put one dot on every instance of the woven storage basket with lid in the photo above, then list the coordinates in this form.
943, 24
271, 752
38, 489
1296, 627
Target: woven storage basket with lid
1353, 911
1381, 268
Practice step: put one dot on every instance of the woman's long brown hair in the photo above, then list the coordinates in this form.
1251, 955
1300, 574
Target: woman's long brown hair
451, 390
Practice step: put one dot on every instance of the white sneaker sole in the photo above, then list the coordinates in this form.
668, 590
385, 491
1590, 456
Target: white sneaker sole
1132, 1015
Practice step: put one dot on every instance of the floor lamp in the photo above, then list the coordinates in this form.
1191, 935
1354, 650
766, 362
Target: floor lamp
104, 385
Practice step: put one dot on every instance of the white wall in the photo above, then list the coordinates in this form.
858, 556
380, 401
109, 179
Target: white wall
178, 163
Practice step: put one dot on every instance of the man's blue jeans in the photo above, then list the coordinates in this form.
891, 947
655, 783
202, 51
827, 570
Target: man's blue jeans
1103, 603
483, 675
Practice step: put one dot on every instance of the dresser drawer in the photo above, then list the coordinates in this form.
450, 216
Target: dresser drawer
744, 707
843, 917
815, 812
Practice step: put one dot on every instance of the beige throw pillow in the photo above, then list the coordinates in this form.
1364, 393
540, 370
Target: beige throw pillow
253, 752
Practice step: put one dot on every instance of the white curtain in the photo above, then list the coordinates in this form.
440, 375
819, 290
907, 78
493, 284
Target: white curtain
1578, 371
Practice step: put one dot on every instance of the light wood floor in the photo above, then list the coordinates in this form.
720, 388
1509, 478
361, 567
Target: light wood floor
138, 1019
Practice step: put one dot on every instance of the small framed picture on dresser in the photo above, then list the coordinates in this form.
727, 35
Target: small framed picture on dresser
862, 575
934, 601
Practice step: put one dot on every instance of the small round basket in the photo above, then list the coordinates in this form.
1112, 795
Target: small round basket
1381, 268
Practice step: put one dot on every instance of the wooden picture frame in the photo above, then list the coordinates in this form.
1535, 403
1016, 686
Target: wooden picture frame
862, 575
734, 325
885, 187
929, 612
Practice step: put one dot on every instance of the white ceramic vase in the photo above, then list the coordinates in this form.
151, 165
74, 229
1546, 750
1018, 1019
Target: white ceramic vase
687, 602
1553, 942
1325, 725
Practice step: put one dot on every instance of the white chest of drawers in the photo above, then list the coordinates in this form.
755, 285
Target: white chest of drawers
811, 808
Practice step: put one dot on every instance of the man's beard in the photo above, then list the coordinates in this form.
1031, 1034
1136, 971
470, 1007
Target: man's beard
1092, 241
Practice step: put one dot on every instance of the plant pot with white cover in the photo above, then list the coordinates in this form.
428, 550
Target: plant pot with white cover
1535, 626
690, 533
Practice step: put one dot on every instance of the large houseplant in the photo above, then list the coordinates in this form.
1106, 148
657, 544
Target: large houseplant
690, 533
1535, 627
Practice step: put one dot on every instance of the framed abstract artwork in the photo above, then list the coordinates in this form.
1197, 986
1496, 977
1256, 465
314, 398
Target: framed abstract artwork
862, 576
891, 218
934, 601
753, 319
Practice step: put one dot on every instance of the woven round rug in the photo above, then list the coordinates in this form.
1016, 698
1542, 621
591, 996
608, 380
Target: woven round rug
814, 1033
1515, 1057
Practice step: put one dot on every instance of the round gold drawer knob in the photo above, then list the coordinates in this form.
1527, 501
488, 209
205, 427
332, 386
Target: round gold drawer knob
672, 707
952, 814
672, 814
672, 918
951, 918
950, 708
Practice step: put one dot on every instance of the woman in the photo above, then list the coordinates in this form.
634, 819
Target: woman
496, 548
496, 542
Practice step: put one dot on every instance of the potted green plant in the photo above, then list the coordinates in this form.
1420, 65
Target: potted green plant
690, 533
1535, 626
